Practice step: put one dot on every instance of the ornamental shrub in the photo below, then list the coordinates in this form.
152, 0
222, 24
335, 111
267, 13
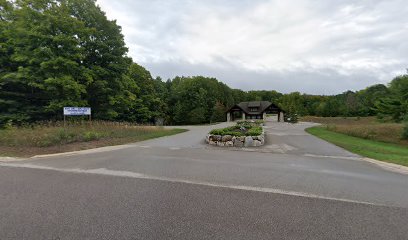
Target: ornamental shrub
238, 131
255, 131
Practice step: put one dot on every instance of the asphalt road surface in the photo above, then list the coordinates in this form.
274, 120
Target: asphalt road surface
294, 187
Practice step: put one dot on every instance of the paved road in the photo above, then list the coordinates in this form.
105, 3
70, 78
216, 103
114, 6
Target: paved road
295, 187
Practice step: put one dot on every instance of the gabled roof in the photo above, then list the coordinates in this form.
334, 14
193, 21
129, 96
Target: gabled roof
254, 104
245, 106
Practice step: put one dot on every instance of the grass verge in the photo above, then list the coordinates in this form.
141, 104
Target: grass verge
54, 138
387, 152
365, 127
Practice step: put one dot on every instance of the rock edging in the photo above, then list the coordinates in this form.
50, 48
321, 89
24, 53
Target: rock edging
236, 141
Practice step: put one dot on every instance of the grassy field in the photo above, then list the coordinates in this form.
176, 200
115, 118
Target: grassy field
49, 138
364, 127
387, 152
364, 136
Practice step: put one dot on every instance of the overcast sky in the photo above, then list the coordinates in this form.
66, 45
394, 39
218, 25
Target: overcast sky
311, 46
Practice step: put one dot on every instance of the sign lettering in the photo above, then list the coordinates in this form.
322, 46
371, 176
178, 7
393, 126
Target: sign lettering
77, 111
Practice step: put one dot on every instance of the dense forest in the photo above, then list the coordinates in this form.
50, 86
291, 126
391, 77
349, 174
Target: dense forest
56, 53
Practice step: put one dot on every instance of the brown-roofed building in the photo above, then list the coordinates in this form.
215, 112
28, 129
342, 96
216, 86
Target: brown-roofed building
254, 110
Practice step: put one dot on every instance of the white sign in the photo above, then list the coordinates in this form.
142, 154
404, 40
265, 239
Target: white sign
77, 111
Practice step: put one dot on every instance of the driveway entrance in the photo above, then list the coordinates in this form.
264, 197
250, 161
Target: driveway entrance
292, 139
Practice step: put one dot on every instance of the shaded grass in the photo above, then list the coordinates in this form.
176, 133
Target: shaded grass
382, 151
53, 137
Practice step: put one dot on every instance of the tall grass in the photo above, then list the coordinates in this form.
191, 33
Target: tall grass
364, 127
385, 132
388, 152
47, 134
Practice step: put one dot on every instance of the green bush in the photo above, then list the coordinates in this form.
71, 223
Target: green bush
91, 136
61, 136
255, 131
64, 136
227, 131
291, 117
238, 130
217, 131
250, 123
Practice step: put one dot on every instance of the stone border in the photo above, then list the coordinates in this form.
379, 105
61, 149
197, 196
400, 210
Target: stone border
234, 141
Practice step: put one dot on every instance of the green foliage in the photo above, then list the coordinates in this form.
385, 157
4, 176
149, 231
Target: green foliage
56, 53
250, 123
224, 132
147, 94
197, 116
60, 53
91, 136
254, 131
238, 131
194, 100
219, 113
291, 117
293, 103
395, 104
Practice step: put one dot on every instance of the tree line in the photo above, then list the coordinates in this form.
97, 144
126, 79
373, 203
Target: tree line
56, 53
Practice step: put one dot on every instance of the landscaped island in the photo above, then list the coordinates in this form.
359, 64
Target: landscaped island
243, 134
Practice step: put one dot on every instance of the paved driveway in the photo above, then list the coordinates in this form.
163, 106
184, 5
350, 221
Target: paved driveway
176, 187
194, 138
281, 138
292, 139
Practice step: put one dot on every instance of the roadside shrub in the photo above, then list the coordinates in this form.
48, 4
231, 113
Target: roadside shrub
7, 125
91, 136
65, 136
46, 139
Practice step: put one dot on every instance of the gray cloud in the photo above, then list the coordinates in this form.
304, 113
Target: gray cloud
327, 82
312, 46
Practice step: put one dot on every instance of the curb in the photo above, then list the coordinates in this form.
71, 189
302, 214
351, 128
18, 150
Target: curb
87, 151
11, 159
388, 166
72, 153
